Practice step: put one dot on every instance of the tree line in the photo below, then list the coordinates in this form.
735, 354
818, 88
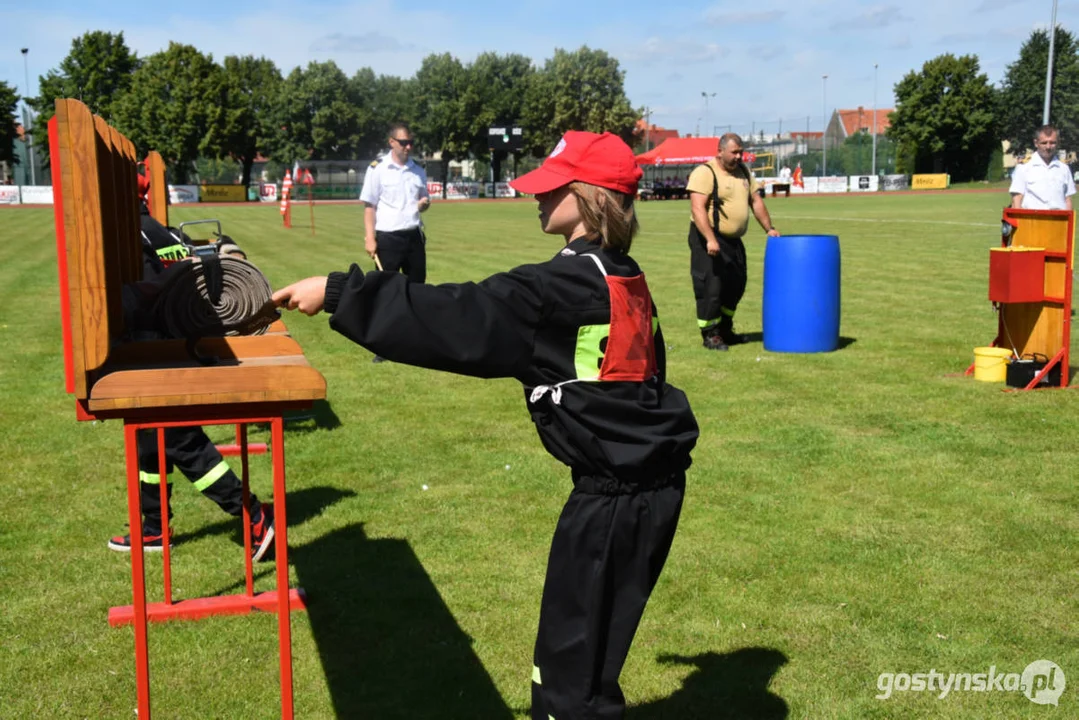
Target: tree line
185, 105
948, 116
950, 119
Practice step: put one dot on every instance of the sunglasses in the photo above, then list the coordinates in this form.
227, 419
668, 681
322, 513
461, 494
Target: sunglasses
405, 142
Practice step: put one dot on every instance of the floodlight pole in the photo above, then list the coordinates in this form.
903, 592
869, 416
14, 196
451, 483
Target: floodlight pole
824, 135
647, 129
874, 170
29, 117
1049, 66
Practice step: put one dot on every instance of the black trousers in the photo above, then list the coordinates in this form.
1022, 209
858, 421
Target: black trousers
403, 250
608, 550
719, 281
194, 454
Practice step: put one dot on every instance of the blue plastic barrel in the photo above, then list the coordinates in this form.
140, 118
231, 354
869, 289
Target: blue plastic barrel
801, 294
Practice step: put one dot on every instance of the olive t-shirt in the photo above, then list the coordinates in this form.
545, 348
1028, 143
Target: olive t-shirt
734, 194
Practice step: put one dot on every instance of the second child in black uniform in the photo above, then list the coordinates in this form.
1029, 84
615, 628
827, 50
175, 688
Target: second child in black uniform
580, 332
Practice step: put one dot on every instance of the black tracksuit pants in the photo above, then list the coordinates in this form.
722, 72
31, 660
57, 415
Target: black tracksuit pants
719, 281
403, 250
194, 454
608, 550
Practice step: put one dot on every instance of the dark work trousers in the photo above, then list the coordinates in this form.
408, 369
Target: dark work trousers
192, 453
606, 555
403, 250
719, 281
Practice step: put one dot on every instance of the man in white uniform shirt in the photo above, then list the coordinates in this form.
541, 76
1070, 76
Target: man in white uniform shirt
1043, 182
394, 194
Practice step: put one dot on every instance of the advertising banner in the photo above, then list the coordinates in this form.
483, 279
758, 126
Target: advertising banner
9, 195
222, 193
268, 192
500, 189
896, 182
832, 184
809, 189
180, 194
462, 190
864, 183
37, 194
929, 182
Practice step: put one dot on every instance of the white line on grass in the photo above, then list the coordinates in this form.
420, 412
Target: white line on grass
891, 220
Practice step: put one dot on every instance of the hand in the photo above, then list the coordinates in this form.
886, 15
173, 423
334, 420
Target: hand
713, 248
308, 296
773, 233
424, 203
370, 246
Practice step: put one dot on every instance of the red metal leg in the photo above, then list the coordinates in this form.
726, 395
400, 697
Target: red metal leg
284, 632
138, 574
245, 479
166, 533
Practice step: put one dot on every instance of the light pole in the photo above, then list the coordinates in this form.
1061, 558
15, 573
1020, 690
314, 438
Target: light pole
874, 172
647, 129
698, 133
29, 117
1049, 66
706, 96
824, 135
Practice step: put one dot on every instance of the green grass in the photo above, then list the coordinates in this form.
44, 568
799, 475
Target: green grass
850, 513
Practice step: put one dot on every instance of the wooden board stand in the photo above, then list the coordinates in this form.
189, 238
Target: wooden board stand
157, 384
1033, 290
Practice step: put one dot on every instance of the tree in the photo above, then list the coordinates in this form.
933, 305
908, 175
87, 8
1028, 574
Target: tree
96, 71
580, 90
175, 106
441, 123
252, 86
494, 95
385, 99
945, 115
318, 117
9, 99
1022, 92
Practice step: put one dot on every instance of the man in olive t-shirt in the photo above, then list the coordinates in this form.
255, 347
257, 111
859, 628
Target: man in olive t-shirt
717, 260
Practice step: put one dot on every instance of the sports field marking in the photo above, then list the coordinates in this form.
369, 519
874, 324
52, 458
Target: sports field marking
891, 220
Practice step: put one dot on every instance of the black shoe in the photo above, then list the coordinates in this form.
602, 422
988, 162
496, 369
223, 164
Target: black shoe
150, 543
262, 533
714, 342
725, 330
378, 359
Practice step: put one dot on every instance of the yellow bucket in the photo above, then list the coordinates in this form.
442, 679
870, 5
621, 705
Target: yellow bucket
991, 364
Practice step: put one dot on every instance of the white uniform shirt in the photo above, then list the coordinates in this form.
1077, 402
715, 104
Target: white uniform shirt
395, 191
1043, 187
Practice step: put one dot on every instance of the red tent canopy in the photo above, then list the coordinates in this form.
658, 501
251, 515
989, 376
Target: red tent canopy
681, 151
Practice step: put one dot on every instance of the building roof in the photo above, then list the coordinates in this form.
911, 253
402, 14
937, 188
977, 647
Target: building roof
655, 134
853, 121
681, 151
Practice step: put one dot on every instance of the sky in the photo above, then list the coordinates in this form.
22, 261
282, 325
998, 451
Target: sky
696, 65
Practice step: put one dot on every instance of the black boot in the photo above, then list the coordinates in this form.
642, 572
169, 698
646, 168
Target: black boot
711, 339
727, 333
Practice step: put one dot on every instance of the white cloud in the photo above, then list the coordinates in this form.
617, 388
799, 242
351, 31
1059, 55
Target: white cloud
718, 15
881, 16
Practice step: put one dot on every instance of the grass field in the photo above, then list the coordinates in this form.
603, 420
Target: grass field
847, 514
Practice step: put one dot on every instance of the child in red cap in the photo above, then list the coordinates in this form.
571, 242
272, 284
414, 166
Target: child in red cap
581, 334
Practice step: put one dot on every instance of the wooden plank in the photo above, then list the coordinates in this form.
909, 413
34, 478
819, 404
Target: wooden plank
159, 189
267, 380
112, 248
224, 348
82, 221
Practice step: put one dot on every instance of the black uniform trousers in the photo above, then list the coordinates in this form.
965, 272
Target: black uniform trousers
403, 250
608, 550
719, 281
194, 454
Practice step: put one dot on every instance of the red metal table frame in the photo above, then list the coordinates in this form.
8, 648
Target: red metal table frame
282, 600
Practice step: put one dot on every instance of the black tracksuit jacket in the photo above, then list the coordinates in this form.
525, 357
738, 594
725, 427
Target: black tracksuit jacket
526, 324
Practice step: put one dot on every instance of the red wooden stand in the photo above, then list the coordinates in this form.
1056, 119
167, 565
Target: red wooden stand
1031, 287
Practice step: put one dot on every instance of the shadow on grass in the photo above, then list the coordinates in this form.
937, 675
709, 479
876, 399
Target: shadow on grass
320, 417
390, 648
758, 337
724, 686
302, 506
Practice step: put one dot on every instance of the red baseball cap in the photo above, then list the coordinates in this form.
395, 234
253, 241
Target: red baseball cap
587, 157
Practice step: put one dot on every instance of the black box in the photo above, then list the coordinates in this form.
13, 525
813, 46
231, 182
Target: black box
1021, 372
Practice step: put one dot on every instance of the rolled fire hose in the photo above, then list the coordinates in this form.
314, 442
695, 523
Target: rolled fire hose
214, 296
